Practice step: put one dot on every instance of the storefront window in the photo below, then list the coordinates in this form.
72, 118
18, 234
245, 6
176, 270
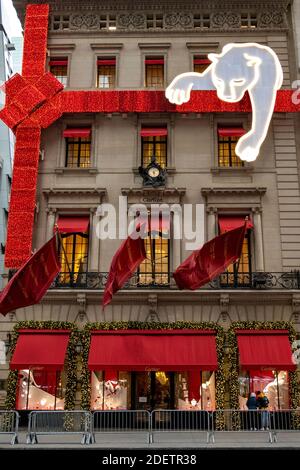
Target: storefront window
110, 390
195, 390
273, 383
41, 389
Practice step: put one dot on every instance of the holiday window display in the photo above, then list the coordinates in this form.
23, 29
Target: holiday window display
196, 390
40, 389
274, 384
109, 390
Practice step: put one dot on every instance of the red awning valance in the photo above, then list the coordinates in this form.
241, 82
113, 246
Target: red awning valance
265, 349
37, 348
231, 131
106, 62
154, 61
230, 222
201, 61
68, 224
154, 131
153, 350
77, 132
58, 62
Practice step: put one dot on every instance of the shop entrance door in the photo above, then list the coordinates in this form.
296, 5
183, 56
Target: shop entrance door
152, 390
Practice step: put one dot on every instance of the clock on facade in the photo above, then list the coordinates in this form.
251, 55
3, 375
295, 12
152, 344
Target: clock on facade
153, 174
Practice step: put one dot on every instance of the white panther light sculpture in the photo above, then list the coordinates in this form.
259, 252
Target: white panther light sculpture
239, 68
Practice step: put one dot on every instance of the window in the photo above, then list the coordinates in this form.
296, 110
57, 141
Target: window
237, 274
41, 388
274, 383
154, 270
110, 390
227, 140
201, 62
154, 72
106, 72
154, 144
74, 258
195, 390
78, 147
59, 67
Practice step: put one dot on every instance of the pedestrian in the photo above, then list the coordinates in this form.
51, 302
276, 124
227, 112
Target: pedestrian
252, 407
263, 404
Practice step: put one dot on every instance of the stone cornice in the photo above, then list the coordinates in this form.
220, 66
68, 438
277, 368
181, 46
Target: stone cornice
221, 191
91, 191
165, 5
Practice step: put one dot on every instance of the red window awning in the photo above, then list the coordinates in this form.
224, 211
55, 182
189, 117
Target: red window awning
37, 348
154, 131
72, 224
58, 62
230, 222
77, 132
106, 62
265, 349
153, 350
154, 61
231, 131
201, 61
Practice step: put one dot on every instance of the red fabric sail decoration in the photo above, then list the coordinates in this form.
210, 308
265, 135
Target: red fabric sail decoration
31, 282
125, 261
211, 260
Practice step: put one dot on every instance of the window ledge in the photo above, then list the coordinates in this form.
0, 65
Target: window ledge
61, 170
222, 170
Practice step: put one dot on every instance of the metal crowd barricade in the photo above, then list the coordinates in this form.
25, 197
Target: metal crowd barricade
242, 421
284, 421
59, 423
120, 421
9, 424
187, 421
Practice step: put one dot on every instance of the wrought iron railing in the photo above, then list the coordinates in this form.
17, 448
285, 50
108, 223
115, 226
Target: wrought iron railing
253, 281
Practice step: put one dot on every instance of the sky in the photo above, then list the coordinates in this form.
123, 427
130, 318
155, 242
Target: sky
10, 19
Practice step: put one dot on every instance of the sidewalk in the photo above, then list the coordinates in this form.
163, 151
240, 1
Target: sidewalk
174, 440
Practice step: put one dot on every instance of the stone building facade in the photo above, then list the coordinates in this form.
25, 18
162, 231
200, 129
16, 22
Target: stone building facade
89, 42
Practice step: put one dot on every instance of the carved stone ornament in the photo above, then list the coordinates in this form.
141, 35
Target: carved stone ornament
87, 22
271, 19
132, 21
178, 20
225, 20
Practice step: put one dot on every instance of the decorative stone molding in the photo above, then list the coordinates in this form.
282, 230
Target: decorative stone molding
225, 20
154, 45
181, 20
224, 303
296, 305
101, 45
153, 195
153, 309
221, 191
132, 21
81, 300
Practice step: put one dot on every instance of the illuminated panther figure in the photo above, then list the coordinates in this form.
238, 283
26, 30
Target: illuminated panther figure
239, 68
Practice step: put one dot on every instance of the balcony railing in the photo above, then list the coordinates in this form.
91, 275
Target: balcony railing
253, 281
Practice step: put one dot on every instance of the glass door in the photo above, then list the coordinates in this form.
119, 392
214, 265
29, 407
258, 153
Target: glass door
152, 390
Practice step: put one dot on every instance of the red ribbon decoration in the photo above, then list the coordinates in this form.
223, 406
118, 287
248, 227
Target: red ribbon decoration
36, 100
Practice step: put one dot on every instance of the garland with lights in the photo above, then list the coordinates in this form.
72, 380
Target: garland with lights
71, 360
86, 338
294, 392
